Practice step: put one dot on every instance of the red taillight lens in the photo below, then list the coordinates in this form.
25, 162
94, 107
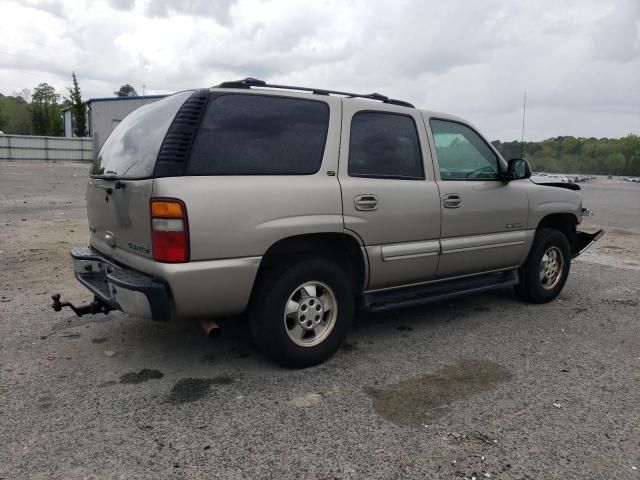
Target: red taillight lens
169, 230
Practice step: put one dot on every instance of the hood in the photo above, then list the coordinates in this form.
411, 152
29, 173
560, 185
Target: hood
568, 186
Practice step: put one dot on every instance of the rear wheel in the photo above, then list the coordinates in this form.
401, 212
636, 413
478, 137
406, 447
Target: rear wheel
545, 272
301, 311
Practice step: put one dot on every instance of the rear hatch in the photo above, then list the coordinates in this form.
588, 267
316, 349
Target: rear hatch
121, 183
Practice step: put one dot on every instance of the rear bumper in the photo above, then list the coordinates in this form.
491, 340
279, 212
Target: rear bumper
121, 288
584, 241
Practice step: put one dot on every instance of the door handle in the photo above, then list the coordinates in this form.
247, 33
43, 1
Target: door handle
452, 200
366, 202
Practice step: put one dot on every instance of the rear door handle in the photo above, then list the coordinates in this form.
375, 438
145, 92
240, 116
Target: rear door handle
452, 200
366, 202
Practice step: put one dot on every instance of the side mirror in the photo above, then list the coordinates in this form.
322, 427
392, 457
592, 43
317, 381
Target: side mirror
517, 169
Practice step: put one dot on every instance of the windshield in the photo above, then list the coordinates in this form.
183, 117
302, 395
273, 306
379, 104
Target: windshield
132, 148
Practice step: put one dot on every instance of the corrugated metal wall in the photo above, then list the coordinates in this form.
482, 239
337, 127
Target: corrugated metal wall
27, 147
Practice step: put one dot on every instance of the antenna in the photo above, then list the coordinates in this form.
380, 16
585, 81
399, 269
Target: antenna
524, 111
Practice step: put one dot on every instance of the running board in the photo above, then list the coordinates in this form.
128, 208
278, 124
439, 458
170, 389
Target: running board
433, 292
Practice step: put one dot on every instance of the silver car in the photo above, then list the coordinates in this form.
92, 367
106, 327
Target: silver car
299, 205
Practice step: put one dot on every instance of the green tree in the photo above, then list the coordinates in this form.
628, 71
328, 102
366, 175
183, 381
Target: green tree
616, 163
126, 90
46, 114
78, 108
607, 156
15, 115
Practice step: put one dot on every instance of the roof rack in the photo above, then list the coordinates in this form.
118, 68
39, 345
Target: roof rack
254, 82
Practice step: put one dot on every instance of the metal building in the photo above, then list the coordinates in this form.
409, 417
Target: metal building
106, 113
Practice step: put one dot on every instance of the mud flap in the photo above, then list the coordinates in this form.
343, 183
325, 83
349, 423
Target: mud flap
584, 240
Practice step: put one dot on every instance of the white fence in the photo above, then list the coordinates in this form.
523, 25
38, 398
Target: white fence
27, 147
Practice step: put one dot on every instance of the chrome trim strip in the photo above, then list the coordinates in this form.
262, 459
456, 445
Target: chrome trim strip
401, 251
482, 247
480, 242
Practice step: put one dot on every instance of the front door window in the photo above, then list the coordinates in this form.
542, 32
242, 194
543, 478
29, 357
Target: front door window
462, 153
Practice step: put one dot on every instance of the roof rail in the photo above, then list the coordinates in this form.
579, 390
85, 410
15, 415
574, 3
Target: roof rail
254, 82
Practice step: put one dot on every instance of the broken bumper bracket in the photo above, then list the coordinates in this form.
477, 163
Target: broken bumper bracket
584, 240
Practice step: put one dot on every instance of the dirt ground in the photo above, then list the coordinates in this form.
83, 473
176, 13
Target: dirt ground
484, 386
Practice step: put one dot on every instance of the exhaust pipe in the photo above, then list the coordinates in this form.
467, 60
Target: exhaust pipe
211, 328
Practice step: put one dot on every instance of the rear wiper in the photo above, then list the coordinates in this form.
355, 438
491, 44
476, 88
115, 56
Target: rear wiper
107, 176
111, 177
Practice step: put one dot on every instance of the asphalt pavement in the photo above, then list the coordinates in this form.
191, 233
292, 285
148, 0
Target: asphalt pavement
484, 386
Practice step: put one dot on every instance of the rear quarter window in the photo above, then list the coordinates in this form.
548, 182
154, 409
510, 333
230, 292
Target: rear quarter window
260, 135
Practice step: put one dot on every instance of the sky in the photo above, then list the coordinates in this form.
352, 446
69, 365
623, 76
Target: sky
578, 61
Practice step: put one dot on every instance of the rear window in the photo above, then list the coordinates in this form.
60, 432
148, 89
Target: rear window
260, 135
132, 148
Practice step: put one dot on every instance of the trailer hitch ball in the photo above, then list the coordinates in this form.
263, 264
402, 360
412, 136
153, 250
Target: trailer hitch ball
96, 306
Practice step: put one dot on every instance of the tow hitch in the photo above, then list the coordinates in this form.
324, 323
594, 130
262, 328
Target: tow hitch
96, 306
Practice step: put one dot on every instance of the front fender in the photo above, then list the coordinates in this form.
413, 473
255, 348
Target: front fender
547, 200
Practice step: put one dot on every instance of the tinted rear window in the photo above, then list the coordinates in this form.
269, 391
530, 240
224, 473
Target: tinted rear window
132, 148
260, 135
384, 145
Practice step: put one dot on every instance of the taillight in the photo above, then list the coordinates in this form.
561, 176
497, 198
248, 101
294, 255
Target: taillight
169, 230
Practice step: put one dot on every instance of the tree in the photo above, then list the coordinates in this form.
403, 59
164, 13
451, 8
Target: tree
15, 115
615, 163
4, 120
78, 108
25, 94
126, 90
46, 115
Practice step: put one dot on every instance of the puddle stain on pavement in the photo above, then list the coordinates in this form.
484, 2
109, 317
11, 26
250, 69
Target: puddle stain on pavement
412, 402
191, 389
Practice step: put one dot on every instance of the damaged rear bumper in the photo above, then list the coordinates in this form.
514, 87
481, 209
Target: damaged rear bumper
584, 240
121, 288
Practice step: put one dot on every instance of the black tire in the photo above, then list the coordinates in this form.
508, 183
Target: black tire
269, 327
531, 288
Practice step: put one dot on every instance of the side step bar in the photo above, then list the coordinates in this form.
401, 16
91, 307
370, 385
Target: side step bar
421, 294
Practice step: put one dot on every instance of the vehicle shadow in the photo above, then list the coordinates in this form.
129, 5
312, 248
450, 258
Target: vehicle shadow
182, 347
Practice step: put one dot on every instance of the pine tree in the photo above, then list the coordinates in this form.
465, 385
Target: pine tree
78, 108
47, 118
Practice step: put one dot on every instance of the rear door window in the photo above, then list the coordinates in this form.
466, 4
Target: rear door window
132, 148
384, 145
260, 135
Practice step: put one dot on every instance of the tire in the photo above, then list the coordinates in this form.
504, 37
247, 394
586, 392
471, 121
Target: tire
551, 247
297, 339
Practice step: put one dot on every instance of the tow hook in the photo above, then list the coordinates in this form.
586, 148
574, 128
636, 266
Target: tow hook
96, 306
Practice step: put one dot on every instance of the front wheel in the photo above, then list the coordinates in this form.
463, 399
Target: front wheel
301, 311
545, 272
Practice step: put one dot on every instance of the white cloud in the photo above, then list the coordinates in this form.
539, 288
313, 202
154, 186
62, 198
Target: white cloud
578, 60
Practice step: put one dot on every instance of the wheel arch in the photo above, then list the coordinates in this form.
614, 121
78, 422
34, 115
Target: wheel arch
343, 247
566, 223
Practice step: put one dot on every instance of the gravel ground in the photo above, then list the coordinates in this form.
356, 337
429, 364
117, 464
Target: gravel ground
484, 386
